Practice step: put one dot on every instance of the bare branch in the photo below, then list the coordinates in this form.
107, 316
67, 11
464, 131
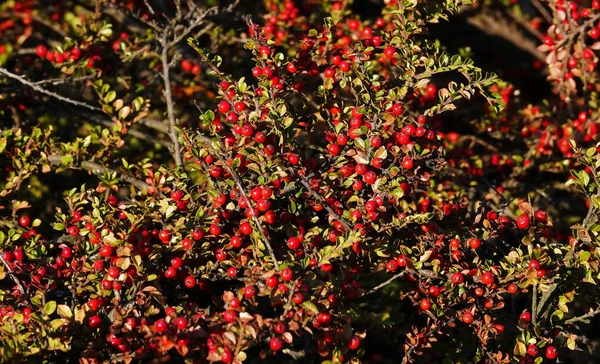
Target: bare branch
390, 280
584, 318
168, 95
98, 169
502, 28
42, 90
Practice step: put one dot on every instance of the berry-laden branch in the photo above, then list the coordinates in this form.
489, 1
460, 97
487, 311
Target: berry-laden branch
240, 186
321, 199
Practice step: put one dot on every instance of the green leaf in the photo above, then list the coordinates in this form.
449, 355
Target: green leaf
310, 306
65, 311
50, 307
110, 97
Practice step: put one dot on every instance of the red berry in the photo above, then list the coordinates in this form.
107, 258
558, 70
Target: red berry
41, 50
487, 278
246, 228
467, 317
457, 278
389, 52
177, 195
353, 343
190, 282
523, 221
551, 352
24, 221
95, 322
525, 316
425, 304
160, 326
534, 264
533, 350
181, 323
276, 343
407, 163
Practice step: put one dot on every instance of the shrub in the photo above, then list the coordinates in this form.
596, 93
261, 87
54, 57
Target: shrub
314, 187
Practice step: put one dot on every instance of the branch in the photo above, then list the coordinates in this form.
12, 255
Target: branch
238, 182
42, 90
36, 19
583, 318
390, 280
501, 28
316, 195
164, 57
192, 26
542, 10
12, 275
98, 169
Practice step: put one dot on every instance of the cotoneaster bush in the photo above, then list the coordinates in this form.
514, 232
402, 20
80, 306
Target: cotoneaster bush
291, 181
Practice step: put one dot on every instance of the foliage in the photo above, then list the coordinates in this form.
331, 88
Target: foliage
285, 181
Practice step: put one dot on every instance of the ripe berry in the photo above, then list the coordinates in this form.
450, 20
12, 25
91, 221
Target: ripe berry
95, 322
246, 228
407, 163
551, 352
434, 291
389, 52
353, 343
523, 221
232, 272
171, 272
190, 282
487, 278
525, 316
177, 195
113, 272
457, 278
287, 274
160, 326
324, 318
474, 243
181, 323
425, 304
293, 243
41, 50
229, 316
534, 264
164, 236
512, 288
24, 221
541, 216
533, 350
276, 343
467, 317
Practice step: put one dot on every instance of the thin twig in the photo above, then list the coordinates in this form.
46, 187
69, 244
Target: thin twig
583, 318
168, 95
390, 280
